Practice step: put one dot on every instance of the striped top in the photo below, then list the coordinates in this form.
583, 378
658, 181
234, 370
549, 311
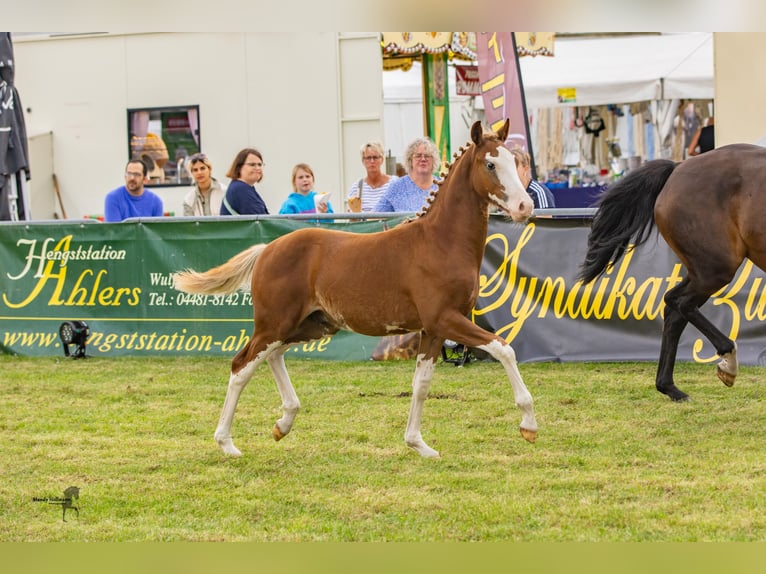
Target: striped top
541, 195
370, 195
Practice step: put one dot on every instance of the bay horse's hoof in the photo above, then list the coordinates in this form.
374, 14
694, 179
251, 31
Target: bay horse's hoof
726, 378
277, 434
727, 367
673, 392
529, 435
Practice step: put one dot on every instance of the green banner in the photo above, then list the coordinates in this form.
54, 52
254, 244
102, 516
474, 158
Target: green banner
117, 278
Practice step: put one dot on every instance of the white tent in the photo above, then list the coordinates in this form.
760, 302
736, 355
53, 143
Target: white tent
622, 70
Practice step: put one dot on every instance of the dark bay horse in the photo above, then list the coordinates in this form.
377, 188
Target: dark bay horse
420, 276
711, 210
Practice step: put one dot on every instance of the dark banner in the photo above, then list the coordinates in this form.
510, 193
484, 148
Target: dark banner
117, 278
528, 294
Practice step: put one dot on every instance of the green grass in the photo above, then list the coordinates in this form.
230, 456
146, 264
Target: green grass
614, 459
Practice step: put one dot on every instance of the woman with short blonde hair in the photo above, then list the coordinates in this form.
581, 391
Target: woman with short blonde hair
365, 193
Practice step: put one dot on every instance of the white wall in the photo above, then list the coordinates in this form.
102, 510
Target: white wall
297, 97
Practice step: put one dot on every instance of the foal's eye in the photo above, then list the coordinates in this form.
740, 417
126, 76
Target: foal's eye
490, 166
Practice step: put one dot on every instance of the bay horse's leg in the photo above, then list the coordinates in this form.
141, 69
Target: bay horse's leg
240, 376
672, 328
290, 402
504, 353
421, 382
687, 298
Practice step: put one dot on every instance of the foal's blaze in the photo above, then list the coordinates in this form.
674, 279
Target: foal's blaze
500, 168
420, 276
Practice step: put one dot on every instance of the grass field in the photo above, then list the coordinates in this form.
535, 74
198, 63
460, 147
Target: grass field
614, 460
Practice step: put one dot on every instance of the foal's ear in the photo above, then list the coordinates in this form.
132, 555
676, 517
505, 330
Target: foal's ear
476, 132
503, 133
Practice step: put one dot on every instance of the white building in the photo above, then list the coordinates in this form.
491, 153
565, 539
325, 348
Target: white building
311, 97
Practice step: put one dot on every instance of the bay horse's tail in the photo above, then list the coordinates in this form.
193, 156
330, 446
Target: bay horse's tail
235, 274
626, 210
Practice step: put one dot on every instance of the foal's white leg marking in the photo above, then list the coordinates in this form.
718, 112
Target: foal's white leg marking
290, 402
506, 355
421, 382
728, 367
237, 382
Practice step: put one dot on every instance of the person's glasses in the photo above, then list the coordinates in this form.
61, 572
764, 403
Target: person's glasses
371, 158
198, 157
422, 156
134, 174
254, 164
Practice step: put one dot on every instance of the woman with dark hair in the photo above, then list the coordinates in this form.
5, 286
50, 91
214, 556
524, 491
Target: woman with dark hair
241, 196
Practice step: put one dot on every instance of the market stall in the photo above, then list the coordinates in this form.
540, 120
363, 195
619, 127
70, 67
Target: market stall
595, 105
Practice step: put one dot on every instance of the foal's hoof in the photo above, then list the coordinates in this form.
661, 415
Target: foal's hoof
227, 445
277, 434
529, 435
423, 449
726, 378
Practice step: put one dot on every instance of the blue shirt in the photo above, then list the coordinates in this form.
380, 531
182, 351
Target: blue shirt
404, 195
298, 203
120, 204
243, 199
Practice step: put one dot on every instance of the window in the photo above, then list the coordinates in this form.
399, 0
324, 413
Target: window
163, 138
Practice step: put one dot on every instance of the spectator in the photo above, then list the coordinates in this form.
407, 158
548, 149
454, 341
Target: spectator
241, 197
409, 193
541, 196
365, 193
703, 139
304, 199
132, 199
207, 195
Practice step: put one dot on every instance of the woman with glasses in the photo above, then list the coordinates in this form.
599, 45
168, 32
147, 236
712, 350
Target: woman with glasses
207, 195
365, 193
241, 196
409, 193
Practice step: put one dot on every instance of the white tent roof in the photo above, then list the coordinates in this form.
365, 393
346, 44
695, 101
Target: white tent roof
609, 70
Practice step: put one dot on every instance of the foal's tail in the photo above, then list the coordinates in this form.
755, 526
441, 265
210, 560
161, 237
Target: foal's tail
235, 274
625, 210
